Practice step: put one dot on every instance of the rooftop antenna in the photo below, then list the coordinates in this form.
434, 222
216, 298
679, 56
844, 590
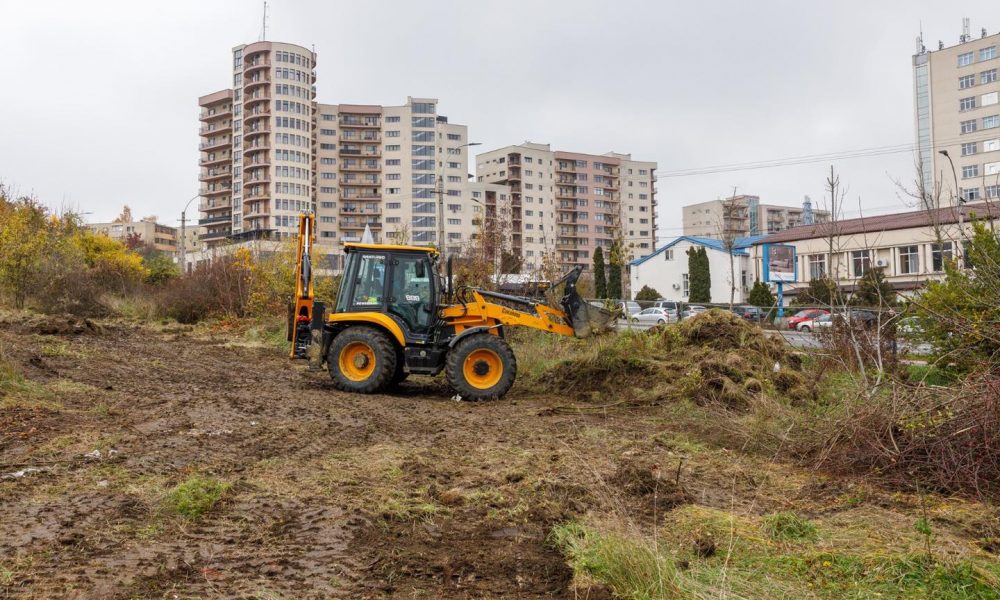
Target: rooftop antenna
965, 30
263, 29
982, 32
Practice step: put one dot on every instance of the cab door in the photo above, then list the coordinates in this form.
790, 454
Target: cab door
410, 295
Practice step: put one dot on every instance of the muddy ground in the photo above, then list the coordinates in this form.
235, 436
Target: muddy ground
408, 495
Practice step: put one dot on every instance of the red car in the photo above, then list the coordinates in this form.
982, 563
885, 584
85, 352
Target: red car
804, 315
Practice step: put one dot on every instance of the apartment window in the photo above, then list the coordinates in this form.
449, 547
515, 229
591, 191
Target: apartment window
426, 108
970, 171
862, 261
940, 254
966, 81
392, 148
993, 191
967, 103
327, 161
970, 148
817, 266
965, 59
454, 165
969, 194
988, 76
988, 53
423, 150
684, 285
969, 126
422, 165
909, 260
328, 132
327, 190
991, 145
991, 122
394, 133
392, 119
327, 204
328, 146
454, 136
454, 221
392, 162
393, 176
423, 122
329, 175
392, 205
329, 117
392, 219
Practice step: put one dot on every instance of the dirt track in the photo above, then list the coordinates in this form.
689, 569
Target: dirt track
408, 495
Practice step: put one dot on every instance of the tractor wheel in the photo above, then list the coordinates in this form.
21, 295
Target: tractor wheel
400, 375
481, 367
362, 360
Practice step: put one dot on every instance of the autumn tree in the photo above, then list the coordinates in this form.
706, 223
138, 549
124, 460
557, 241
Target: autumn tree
24, 237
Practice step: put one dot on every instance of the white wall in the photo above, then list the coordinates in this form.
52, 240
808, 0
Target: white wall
662, 274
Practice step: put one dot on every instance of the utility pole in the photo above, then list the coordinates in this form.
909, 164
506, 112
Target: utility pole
956, 197
441, 194
184, 234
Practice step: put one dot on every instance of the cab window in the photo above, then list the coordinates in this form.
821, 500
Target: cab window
369, 284
412, 296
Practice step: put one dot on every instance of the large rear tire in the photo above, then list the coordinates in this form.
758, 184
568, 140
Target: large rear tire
481, 367
362, 360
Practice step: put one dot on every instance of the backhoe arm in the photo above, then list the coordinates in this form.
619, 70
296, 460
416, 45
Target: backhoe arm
481, 312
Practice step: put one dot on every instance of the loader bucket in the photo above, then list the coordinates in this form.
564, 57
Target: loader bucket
585, 318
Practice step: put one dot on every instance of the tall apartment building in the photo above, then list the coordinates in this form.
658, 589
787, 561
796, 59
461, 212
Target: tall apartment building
744, 215
957, 102
567, 204
269, 151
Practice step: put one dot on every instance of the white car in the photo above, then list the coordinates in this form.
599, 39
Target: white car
820, 322
652, 316
630, 308
692, 310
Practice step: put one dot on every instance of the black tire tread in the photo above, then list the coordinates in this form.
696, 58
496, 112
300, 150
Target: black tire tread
385, 355
456, 358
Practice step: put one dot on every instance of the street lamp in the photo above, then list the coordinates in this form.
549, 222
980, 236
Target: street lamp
441, 193
959, 200
184, 233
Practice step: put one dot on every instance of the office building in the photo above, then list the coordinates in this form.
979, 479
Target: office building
957, 106
147, 231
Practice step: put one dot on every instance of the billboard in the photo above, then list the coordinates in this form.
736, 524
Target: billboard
779, 263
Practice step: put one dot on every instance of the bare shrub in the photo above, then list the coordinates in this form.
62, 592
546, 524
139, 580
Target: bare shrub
943, 439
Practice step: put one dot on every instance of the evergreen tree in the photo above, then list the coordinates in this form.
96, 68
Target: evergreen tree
873, 290
615, 273
699, 277
647, 294
600, 278
760, 295
821, 291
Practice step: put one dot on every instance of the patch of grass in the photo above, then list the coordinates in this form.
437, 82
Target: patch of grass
196, 496
789, 526
67, 386
629, 568
931, 375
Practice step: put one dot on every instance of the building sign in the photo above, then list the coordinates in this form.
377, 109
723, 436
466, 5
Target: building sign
779, 263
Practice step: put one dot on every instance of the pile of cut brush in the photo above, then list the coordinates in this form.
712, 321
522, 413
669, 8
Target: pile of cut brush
712, 357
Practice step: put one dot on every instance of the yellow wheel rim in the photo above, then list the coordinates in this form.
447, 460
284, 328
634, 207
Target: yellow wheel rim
357, 361
482, 368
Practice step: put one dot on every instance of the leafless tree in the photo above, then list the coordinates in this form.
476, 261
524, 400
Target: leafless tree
732, 212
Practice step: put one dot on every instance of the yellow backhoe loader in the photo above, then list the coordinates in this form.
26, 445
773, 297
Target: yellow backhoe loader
396, 315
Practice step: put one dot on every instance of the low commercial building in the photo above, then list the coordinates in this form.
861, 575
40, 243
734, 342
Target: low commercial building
744, 215
911, 247
162, 237
666, 270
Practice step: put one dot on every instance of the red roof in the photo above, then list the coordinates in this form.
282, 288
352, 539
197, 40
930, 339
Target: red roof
877, 223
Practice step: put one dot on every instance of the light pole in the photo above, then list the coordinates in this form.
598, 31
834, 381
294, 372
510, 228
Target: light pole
441, 194
184, 233
957, 196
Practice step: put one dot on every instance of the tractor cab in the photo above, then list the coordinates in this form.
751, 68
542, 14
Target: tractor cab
398, 281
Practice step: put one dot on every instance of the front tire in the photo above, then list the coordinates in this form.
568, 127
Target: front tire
362, 360
805, 329
481, 367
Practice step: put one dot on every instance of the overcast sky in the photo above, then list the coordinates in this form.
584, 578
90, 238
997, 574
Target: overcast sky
99, 106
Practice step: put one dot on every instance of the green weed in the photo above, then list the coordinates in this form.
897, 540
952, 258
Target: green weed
195, 497
789, 526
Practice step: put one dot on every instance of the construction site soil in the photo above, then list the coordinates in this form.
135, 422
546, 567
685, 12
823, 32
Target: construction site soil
325, 494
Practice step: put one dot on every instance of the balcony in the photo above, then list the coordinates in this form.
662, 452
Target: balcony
565, 193
253, 133
217, 191
355, 198
218, 160
566, 245
215, 175
258, 147
255, 99
351, 224
220, 234
214, 144
362, 182
213, 206
215, 220
360, 123
358, 167
252, 116
256, 65
366, 137
264, 194
216, 130
346, 210
253, 83
207, 116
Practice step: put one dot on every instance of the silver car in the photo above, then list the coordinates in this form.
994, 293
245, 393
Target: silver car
652, 316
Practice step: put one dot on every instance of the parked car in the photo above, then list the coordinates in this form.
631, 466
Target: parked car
692, 310
629, 308
750, 313
652, 316
804, 315
820, 322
